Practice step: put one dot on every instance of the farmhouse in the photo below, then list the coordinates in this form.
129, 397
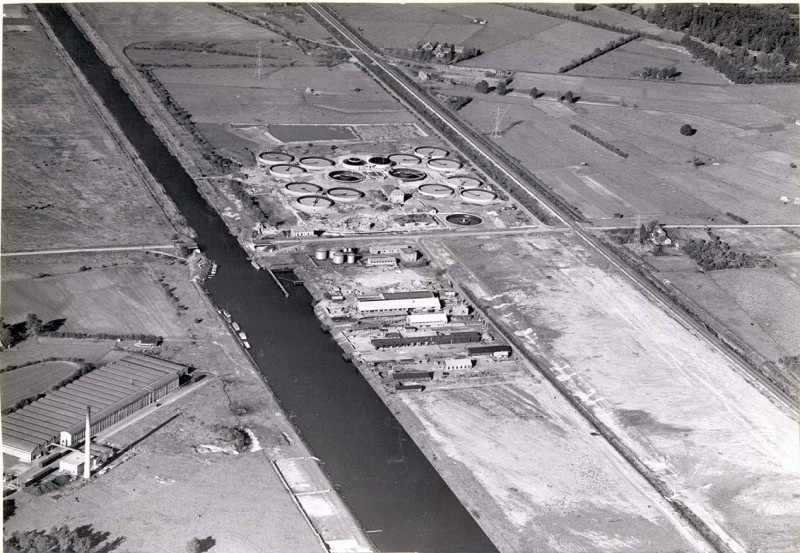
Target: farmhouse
113, 392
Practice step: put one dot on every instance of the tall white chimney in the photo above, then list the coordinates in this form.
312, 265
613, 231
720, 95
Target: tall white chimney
87, 455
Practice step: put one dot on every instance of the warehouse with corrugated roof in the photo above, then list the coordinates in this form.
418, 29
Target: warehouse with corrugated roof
113, 392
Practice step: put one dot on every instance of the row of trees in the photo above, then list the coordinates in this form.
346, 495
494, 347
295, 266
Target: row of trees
656, 73
741, 67
598, 52
60, 540
608, 146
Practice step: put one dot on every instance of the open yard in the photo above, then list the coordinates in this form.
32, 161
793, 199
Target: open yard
126, 300
53, 144
682, 408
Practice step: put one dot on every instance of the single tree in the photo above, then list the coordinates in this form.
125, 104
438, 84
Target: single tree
194, 546
568, 97
33, 325
687, 130
5, 333
482, 86
502, 89
534, 93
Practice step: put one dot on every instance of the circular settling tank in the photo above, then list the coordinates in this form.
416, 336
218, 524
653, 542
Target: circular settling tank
444, 164
478, 196
321, 253
302, 188
405, 159
380, 161
314, 204
431, 151
463, 219
353, 162
346, 176
406, 174
435, 190
464, 181
344, 194
285, 171
316, 163
270, 158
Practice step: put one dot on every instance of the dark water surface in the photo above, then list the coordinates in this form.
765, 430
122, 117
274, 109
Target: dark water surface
380, 472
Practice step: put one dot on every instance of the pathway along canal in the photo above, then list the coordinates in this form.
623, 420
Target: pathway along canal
382, 475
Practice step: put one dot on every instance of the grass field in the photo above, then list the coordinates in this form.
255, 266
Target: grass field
54, 143
124, 300
510, 39
32, 380
679, 404
638, 54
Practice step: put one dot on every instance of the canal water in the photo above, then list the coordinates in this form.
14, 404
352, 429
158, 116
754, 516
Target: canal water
382, 475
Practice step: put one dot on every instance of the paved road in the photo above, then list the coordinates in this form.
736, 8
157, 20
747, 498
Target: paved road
91, 250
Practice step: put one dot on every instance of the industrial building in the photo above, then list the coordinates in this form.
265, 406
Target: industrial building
427, 319
498, 352
380, 261
458, 364
426, 340
113, 392
399, 303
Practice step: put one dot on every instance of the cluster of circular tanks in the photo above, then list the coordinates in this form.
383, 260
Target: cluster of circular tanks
337, 257
351, 170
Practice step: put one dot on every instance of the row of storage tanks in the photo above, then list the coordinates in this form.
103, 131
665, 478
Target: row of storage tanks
337, 257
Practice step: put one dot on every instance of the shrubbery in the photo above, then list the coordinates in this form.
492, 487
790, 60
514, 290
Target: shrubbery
715, 255
598, 140
656, 73
457, 102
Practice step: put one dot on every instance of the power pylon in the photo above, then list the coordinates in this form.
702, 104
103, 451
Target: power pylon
499, 115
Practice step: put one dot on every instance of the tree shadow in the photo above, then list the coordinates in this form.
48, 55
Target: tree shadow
53, 325
206, 544
96, 538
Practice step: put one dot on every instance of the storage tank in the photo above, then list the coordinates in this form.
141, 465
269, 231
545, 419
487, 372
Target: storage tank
338, 258
332, 252
321, 254
351, 258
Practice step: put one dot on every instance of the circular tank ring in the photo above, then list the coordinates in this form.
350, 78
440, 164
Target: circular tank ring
478, 196
463, 219
284, 170
406, 174
443, 164
381, 161
405, 159
346, 176
435, 190
303, 188
271, 157
345, 194
314, 203
315, 163
430, 151
354, 162
465, 181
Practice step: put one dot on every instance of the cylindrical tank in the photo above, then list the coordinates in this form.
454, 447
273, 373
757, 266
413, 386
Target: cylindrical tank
351, 258
338, 258
321, 254
332, 252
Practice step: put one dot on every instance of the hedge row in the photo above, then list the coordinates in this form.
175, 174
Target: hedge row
597, 52
610, 147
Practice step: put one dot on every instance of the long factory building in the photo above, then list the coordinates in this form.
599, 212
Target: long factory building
113, 392
397, 303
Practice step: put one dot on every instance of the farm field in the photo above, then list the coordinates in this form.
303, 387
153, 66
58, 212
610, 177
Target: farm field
638, 54
125, 300
761, 306
712, 437
746, 163
560, 488
55, 142
510, 39
24, 382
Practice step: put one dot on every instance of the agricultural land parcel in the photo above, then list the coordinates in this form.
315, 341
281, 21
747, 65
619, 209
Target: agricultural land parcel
746, 143
712, 437
762, 306
54, 143
293, 87
510, 39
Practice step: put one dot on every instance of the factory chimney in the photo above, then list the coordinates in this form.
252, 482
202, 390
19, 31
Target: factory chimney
87, 455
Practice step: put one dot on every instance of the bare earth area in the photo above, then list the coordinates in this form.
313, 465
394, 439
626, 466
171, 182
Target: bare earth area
728, 451
54, 143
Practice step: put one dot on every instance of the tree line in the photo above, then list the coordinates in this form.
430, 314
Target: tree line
597, 52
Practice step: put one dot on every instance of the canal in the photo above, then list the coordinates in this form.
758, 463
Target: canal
379, 471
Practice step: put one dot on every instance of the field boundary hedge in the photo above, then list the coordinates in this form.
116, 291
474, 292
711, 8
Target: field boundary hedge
608, 146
